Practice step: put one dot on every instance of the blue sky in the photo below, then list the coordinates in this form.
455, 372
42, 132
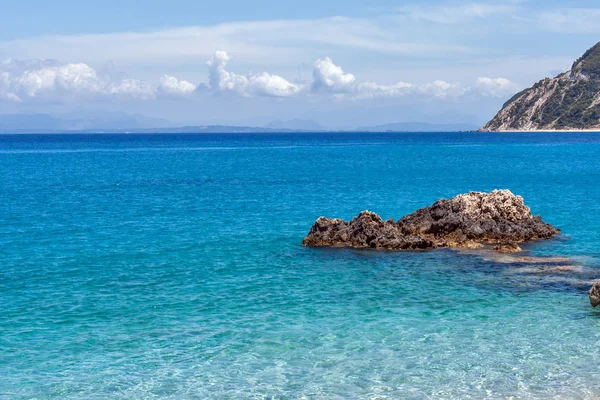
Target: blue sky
70, 17
380, 62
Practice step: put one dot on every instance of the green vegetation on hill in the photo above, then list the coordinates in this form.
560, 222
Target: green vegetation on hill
568, 101
571, 107
589, 63
515, 97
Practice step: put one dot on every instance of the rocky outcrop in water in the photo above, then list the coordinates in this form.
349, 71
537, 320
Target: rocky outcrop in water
465, 221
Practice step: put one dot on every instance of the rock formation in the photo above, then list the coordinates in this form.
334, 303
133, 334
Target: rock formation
367, 230
569, 101
465, 221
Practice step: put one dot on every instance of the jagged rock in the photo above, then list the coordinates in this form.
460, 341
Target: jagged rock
465, 221
367, 230
494, 217
595, 294
507, 248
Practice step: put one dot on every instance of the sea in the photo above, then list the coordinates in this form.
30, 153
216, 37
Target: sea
171, 267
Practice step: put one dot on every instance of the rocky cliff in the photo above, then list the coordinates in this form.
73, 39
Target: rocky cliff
465, 221
567, 102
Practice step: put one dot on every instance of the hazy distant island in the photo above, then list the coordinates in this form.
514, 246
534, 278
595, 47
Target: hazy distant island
137, 123
570, 101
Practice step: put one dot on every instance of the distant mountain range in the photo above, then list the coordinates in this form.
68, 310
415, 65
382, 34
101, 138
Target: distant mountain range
297, 125
127, 123
569, 101
16, 123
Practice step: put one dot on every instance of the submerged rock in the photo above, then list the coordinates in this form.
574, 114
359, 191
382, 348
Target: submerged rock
465, 221
526, 260
546, 269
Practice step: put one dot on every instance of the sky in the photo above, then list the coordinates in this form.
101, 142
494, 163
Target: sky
340, 63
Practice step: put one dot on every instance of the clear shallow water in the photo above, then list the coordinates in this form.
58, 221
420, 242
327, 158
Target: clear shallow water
171, 267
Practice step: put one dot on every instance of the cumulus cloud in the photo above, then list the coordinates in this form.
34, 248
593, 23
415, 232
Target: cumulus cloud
495, 87
68, 78
134, 88
17, 84
171, 85
443, 89
331, 78
50, 80
264, 84
5, 88
12, 65
327, 78
21, 80
368, 90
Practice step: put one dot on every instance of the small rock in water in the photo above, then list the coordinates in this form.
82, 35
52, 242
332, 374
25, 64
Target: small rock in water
595, 294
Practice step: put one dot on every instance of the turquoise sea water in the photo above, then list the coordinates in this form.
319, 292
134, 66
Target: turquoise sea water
160, 266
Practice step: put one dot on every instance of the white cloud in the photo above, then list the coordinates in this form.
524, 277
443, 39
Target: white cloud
5, 92
13, 65
50, 80
69, 78
264, 84
443, 89
368, 90
133, 88
171, 85
495, 87
329, 77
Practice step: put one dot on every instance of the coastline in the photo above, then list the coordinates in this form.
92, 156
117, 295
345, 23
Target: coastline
542, 131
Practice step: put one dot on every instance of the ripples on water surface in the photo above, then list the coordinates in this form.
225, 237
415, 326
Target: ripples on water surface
170, 267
